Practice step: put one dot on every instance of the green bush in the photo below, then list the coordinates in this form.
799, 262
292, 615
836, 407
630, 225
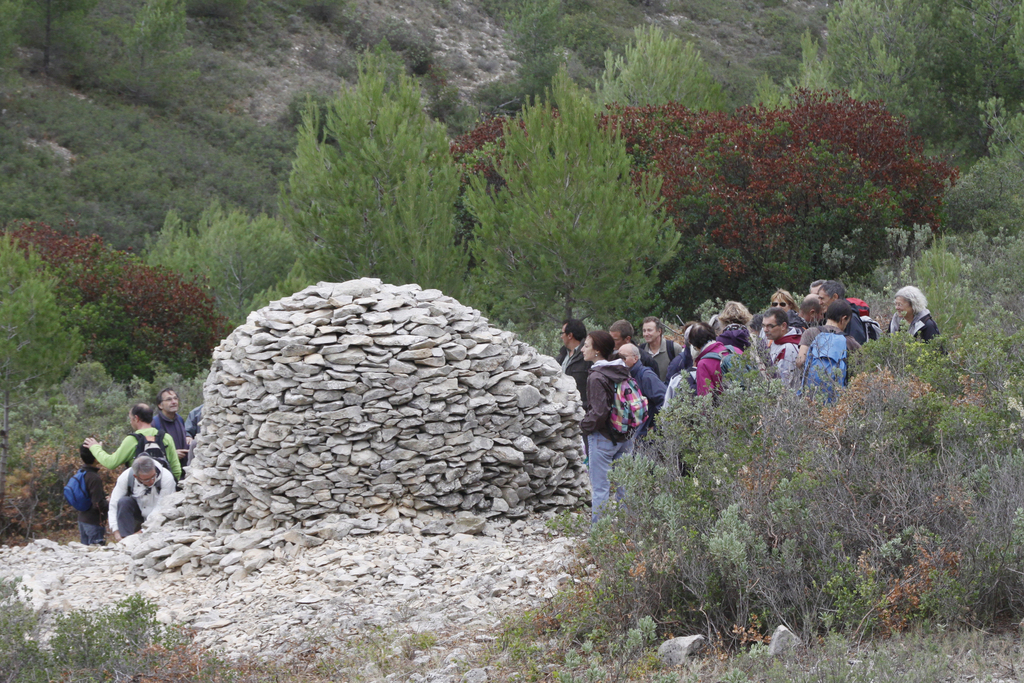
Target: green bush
110, 643
216, 9
902, 503
21, 659
990, 198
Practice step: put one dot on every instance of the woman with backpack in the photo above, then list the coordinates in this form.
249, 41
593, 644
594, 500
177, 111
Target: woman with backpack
707, 356
604, 445
912, 306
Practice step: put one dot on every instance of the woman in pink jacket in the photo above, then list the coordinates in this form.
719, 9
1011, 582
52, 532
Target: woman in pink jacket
707, 354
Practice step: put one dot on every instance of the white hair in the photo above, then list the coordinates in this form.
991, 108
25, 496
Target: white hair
915, 297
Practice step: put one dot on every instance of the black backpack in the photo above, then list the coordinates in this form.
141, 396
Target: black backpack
152, 449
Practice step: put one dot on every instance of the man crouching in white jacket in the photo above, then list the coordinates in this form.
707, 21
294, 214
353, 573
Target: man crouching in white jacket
136, 495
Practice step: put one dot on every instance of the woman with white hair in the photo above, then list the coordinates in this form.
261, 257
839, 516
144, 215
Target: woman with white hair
912, 306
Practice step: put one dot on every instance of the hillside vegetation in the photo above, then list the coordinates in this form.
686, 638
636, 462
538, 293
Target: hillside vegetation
113, 129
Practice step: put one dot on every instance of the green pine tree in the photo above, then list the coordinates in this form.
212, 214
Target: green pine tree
36, 346
10, 12
238, 256
569, 234
153, 59
53, 24
373, 192
656, 69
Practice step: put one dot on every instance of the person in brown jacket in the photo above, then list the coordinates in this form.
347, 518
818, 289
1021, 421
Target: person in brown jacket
90, 522
603, 446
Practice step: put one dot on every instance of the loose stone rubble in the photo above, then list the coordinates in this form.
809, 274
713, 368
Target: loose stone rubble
456, 587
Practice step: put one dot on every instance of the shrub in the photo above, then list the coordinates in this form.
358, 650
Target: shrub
216, 9
764, 199
111, 643
107, 640
989, 198
324, 11
658, 69
904, 502
415, 46
21, 659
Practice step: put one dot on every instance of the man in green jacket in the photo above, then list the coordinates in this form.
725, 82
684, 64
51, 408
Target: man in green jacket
141, 420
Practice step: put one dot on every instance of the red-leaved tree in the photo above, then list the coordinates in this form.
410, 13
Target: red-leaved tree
131, 315
765, 199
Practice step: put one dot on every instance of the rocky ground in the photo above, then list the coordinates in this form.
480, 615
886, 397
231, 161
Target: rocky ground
449, 591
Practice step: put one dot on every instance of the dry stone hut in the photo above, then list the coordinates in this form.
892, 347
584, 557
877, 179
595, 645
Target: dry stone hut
360, 397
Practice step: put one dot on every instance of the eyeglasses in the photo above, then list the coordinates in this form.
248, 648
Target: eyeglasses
770, 326
148, 481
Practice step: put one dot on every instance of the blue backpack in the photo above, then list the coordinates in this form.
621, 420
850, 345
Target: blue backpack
76, 494
825, 367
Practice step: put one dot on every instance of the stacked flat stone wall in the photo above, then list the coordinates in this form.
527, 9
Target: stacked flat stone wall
362, 397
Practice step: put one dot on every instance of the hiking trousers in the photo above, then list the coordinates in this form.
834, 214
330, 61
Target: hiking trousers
603, 453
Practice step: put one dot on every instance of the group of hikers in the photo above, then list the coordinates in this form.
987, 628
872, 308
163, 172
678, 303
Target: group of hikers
623, 385
158, 450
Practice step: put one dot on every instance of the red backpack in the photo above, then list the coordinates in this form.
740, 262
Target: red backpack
860, 307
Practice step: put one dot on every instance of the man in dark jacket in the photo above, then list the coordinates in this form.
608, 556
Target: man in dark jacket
650, 386
832, 291
571, 356
166, 419
90, 522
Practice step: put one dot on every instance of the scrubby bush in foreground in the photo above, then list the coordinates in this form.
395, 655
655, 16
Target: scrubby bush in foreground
903, 503
111, 643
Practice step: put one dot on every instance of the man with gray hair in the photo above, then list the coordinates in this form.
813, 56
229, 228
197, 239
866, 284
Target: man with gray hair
137, 493
831, 291
650, 385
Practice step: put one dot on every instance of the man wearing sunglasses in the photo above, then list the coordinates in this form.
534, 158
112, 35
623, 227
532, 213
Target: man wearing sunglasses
138, 492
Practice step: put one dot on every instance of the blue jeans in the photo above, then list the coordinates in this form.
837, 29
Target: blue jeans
91, 534
603, 454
